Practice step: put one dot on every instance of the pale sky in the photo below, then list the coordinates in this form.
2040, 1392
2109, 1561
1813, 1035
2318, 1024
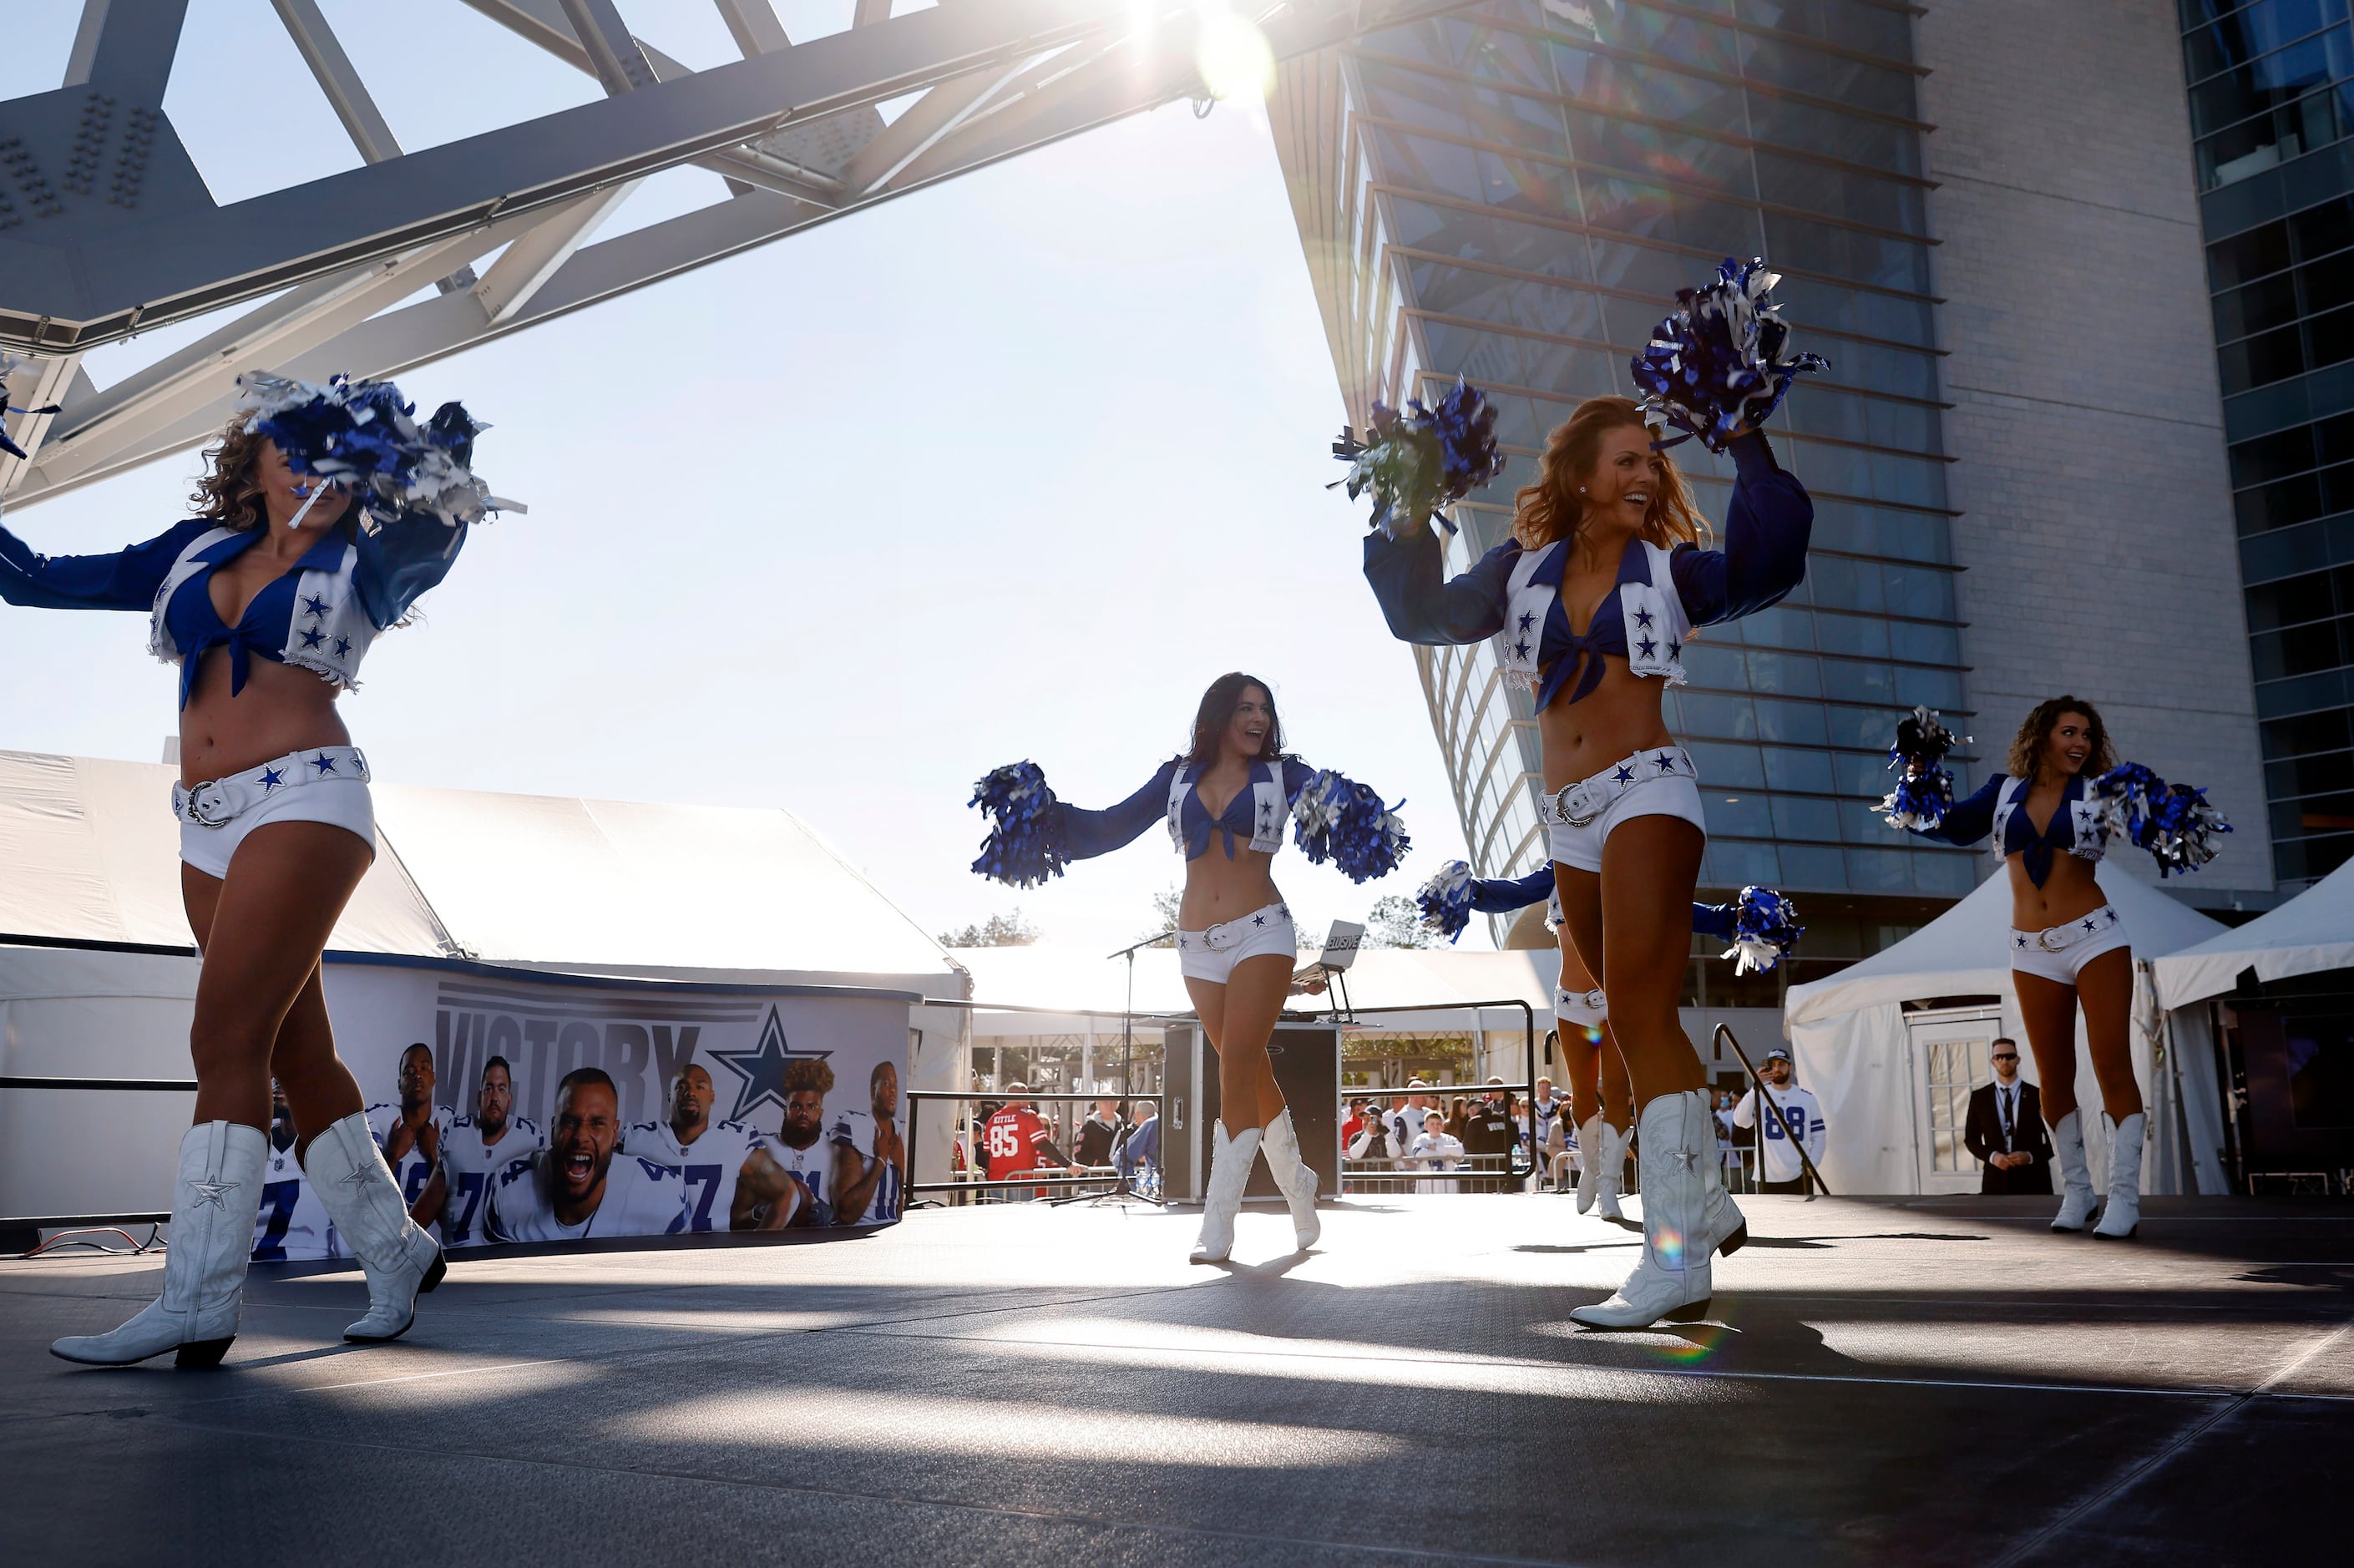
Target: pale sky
1010, 468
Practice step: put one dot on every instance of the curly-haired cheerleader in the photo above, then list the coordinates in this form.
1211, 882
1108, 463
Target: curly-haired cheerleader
1232, 792
266, 600
1594, 597
2064, 790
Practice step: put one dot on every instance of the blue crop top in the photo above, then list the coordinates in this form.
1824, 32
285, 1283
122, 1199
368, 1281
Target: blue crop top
1766, 528
320, 613
1258, 812
1997, 807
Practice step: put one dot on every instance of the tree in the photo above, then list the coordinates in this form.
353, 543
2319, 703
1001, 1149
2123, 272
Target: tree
1164, 915
1394, 921
997, 931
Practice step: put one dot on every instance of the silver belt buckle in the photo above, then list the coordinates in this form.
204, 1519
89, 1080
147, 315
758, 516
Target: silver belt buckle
214, 815
1217, 940
2066, 934
1578, 804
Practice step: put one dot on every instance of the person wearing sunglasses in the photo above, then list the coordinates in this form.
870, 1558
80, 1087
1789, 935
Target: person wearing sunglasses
2005, 1130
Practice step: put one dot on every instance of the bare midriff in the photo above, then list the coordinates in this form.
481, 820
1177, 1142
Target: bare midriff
1620, 717
2069, 891
284, 708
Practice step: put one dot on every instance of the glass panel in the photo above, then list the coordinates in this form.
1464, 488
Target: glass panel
1796, 817
1728, 767
1787, 769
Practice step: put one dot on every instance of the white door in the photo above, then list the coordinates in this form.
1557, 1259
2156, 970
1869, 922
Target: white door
1951, 1057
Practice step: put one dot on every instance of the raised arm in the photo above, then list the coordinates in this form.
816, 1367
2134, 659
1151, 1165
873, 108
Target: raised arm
1499, 896
1090, 833
400, 560
126, 579
1968, 821
1766, 527
1421, 604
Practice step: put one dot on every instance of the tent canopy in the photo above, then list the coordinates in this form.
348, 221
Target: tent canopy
2312, 932
616, 887
1965, 950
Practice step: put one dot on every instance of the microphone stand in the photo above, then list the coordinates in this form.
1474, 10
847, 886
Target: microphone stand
1123, 1189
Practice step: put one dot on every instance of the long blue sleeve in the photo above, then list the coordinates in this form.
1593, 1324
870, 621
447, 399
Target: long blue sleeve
399, 561
1421, 604
1496, 896
1967, 821
1087, 834
127, 579
1714, 920
1766, 528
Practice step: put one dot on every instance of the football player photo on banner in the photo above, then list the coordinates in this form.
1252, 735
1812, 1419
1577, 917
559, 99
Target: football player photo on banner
514, 1107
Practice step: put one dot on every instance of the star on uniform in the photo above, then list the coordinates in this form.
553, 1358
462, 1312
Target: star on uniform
1624, 776
1675, 648
212, 1193
1643, 618
271, 780
1665, 762
2088, 924
1648, 646
323, 763
1527, 621
313, 605
343, 647
1258, 919
1521, 649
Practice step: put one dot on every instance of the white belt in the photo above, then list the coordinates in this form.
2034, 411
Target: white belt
2059, 939
218, 803
1235, 932
1579, 803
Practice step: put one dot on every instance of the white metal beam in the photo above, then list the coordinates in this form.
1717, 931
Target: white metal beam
753, 24
346, 94
527, 265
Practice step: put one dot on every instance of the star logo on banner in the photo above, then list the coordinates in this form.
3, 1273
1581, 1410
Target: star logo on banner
212, 1193
271, 780
761, 1070
1643, 618
313, 605
323, 763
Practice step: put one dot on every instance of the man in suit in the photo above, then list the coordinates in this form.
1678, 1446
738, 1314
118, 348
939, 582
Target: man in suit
2006, 1128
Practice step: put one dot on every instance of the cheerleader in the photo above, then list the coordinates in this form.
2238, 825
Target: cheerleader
1761, 926
1225, 801
2064, 791
266, 599
1591, 602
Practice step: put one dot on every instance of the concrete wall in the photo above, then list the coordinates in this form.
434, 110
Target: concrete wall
2097, 528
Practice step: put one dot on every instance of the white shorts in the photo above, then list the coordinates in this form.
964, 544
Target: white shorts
2061, 952
339, 799
1212, 955
1578, 819
1583, 1011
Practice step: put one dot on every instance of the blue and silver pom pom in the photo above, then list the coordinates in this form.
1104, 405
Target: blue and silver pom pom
1339, 820
1762, 924
1445, 899
363, 436
1920, 800
1026, 843
2172, 821
1422, 460
9, 366
1718, 364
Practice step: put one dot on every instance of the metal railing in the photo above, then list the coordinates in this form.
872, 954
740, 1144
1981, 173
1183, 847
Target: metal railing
1106, 1178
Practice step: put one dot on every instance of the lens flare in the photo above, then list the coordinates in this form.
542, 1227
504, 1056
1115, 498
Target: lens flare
1234, 57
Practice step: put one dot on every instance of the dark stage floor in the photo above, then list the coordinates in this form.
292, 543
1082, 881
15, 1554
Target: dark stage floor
1926, 1382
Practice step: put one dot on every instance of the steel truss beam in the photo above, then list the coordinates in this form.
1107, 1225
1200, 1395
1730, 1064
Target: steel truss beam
115, 233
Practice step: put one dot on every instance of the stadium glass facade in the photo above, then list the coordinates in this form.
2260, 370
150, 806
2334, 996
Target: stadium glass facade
1513, 194
2272, 115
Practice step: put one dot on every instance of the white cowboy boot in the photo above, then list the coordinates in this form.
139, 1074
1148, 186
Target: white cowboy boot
1722, 1224
402, 1262
1611, 1179
212, 1204
1589, 1161
1280, 1145
1678, 1162
2077, 1200
1222, 1198
2121, 1205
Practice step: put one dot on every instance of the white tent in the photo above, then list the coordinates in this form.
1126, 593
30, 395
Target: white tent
2312, 932
97, 973
1850, 1035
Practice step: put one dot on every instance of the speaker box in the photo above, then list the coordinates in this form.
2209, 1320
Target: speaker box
1307, 1058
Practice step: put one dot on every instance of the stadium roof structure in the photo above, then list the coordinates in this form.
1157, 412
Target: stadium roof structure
685, 893
106, 228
